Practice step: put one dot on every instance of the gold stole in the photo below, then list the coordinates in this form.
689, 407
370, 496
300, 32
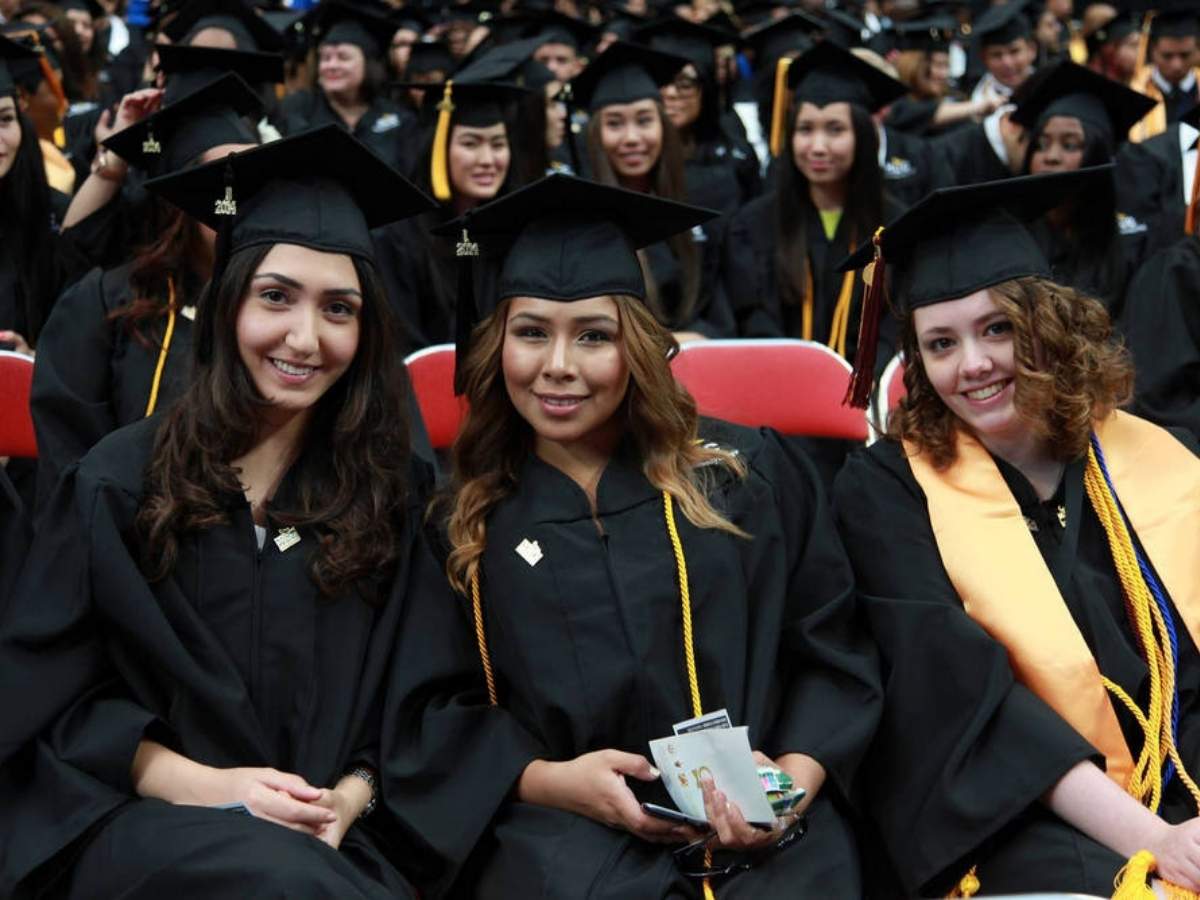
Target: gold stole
1004, 583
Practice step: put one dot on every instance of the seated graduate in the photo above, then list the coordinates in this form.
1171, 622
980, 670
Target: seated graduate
205, 625
622, 565
1024, 550
782, 249
1159, 172
1075, 119
118, 345
631, 143
467, 160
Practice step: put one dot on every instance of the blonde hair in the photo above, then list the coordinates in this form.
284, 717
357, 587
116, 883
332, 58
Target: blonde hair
494, 440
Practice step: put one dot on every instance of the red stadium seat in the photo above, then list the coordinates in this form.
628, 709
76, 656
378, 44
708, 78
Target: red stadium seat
432, 374
793, 386
16, 423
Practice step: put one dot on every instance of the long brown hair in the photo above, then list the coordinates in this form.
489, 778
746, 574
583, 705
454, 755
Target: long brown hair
495, 440
1071, 371
350, 478
668, 182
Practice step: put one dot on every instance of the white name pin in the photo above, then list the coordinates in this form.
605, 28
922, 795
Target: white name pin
287, 538
529, 551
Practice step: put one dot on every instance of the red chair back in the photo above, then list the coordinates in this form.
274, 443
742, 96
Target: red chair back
793, 386
16, 422
431, 372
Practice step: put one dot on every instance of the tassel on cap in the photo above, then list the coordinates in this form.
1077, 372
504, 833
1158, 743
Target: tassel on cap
439, 177
779, 106
858, 393
466, 311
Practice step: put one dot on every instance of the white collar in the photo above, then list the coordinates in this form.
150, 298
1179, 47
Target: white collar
1188, 83
991, 130
882, 144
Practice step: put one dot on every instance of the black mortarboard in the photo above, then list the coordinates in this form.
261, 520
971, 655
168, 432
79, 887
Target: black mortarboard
696, 43
624, 73
320, 189
13, 55
928, 35
410, 18
187, 69
1003, 24
562, 238
91, 7
510, 64
1119, 27
209, 117
1103, 105
957, 241
341, 23
844, 29
794, 33
429, 56
250, 31
1176, 23
549, 27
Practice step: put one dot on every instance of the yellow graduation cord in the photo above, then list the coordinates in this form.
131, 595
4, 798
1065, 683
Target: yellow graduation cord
439, 177
689, 651
840, 325
166, 346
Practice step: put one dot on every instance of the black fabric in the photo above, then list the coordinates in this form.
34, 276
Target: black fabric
231, 660
624, 73
911, 168
964, 752
250, 31
387, 128
969, 156
828, 74
586, 647
1150, 178
15, 536
1162, 331
1104, 106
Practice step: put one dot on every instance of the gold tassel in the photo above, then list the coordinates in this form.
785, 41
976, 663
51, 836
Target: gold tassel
1132, 881
779, 106
968, 885
438, 176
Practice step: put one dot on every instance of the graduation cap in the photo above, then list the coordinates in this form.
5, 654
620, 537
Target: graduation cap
91, 7
1117, 28
795, 32
250, 31
342, 23
1176, 21
1003, 24
828, 74
13, 55
560, 238
510, 64
954, 242
1103, 105
187, 69
429, 56
624, 73
320, 189
844, 29
475, 103
550, 27
696, 43
211, 116
928, 35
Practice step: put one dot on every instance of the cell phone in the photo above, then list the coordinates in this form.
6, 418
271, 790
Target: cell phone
674, 815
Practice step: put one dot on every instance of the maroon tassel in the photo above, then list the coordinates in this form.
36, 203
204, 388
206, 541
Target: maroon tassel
858, 393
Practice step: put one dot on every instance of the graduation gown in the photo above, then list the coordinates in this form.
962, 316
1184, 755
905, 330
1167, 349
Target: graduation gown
911, 169
386, 127
232, 660
67, 265
587, 650
964, 751
969, 156
14, 537
1162, 331
419, 276
1150, 178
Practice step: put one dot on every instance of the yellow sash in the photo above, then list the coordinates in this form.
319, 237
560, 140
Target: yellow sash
1004, 583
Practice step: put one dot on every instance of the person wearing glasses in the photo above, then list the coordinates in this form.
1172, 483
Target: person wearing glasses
620, 566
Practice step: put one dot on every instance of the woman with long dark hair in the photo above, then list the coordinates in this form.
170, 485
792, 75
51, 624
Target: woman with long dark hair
632, 144
782, 250
623, 565
1027, 553
209, 616
1076, 118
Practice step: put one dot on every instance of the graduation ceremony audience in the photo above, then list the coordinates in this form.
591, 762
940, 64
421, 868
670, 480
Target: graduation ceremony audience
282, 614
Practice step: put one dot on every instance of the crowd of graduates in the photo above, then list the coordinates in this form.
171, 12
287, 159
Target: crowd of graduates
258, 638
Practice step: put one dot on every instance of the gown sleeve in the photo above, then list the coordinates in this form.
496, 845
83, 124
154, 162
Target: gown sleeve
449, 759
15, 536
72, 386
962, 748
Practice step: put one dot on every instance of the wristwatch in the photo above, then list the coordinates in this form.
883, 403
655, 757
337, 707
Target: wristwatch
369, 777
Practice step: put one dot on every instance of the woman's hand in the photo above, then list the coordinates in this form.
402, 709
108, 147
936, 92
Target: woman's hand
731, 830
593, 785
1176, 850
19, 344
133, 108
282, 798
347, 802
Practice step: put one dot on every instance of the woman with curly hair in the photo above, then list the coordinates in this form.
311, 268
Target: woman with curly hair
1027, 553
194, 662
622, 566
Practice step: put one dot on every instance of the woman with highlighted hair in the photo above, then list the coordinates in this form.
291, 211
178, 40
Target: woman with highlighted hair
1027, 555
194, 664
621, 565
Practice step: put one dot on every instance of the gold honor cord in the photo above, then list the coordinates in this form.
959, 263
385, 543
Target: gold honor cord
689, 652
166, 346
840, 326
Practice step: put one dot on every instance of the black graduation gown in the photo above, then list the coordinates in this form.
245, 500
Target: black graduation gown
386, 127
1150, 179
232, 660
911, 169
67, 266
711, 315
912, 115
419, 275
587, 651
964, 752
969, 157
14, 537
1162, 331
1107, 280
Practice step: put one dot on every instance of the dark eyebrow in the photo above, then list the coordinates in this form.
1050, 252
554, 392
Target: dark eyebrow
293, 283
582, 320
942, 329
